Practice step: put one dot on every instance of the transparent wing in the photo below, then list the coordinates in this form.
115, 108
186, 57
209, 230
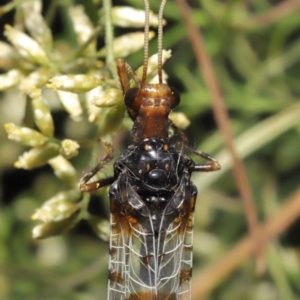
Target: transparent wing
175, 254
147, 263
117, 251
130, 243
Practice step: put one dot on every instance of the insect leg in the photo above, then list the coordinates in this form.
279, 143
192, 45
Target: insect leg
85, 186
179, 132
124, 70
212, 165
90, 187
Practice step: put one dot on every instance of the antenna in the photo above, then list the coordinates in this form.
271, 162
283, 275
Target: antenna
160, 39
146, 41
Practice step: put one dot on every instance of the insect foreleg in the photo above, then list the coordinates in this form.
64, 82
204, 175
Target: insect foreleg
90, 187
212, 165
85, 186
124, 69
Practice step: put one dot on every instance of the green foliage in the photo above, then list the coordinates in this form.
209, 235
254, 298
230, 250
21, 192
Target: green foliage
255, 48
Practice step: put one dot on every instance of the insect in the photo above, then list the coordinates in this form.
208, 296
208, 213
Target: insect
152, 198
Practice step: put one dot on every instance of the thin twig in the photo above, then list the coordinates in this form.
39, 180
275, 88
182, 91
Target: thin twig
278, 224
273, 15
222, 119
109, 39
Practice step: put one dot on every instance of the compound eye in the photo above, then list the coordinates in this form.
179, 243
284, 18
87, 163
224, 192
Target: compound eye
175, 98
129, 98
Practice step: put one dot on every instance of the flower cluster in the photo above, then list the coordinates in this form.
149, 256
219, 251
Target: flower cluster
35, 65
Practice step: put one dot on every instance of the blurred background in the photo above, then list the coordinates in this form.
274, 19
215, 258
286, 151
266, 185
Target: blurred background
255, 49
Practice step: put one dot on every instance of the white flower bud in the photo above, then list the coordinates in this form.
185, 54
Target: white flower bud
37, 156
83, 27
127, 44
42, 115
34, 5
36, 25
93, 111
46, 230
26, 46
100, 226
58, 214
180, 120
109, 98
64, 170
71, 104
69, 148
59, 207
35, 79
74, 83
25, 135
10, 79
126, 16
